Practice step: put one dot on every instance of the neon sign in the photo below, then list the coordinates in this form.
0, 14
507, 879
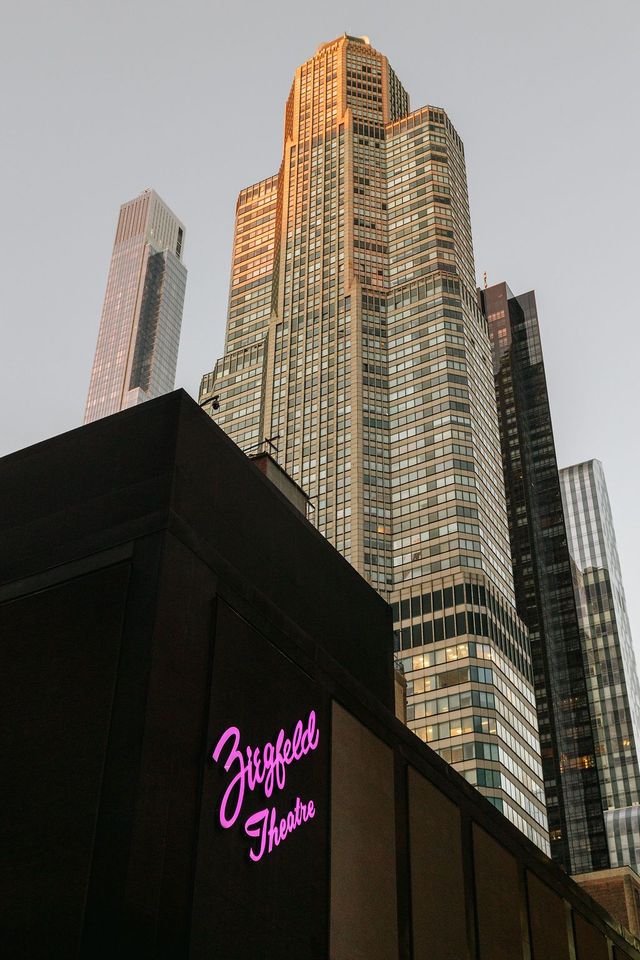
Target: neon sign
254, 767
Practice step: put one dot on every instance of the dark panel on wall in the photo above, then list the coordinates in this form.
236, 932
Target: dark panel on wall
174, 690
498, 903
437, 908
58, 677
273, 905
548, 921
590, 943
70, 494
364, 922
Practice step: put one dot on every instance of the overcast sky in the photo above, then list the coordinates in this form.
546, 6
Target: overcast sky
102, 99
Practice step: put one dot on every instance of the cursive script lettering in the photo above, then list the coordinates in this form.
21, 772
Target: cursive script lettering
256, 767
264, 767
264, 825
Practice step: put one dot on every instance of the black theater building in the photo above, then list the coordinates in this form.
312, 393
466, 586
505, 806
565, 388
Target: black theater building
200, 757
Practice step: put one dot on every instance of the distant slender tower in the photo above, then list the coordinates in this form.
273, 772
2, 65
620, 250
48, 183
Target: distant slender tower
137, 347
542, 568
612, 673
356, 344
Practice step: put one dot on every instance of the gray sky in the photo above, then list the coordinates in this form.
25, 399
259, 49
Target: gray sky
102, 99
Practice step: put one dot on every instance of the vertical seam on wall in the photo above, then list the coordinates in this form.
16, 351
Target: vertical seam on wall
213, 623
525, 918
329, 704
471, 908
571, 933
403, 858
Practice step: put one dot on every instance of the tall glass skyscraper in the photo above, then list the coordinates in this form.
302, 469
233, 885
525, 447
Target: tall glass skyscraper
612, 672
543, 576
139, 335
356, 344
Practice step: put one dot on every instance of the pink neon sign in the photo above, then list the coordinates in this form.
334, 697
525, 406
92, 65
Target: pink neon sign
254, 767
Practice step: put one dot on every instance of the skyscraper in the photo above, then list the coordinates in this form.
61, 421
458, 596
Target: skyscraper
612, 673
139, 333
542, 569
356, 344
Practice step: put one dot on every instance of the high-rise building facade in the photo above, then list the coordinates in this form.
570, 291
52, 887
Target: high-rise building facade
356, 345
612, 673
542, 568
139, 335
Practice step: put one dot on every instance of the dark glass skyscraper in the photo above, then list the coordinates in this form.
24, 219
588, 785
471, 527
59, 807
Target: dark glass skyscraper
544, 584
